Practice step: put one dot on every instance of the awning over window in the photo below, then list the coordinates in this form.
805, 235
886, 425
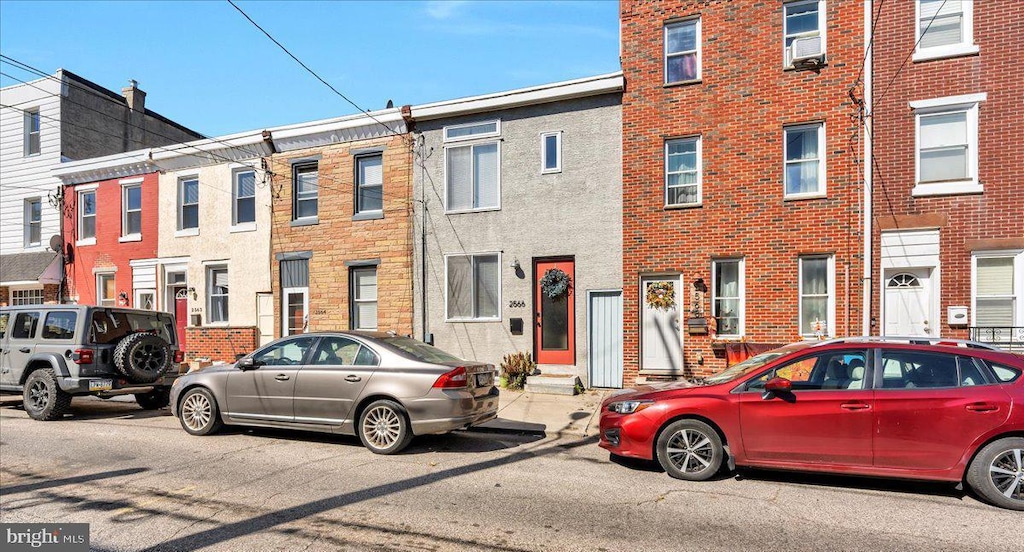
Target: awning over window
20, 268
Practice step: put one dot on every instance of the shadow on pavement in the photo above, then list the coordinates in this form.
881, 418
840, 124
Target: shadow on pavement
932, 488
93, 408
454, 442
51, 483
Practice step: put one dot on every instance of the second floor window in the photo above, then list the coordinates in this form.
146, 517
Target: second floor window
805, 165
188, 203
32, 128
944, 27
217, 294
131, 202
305, 191
682, 172
33, 222
369, 183
472, 177
551, 152
682, 51
244, 208
87, 215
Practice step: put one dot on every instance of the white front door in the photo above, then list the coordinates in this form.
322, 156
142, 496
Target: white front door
294, 310
908, 302
661, 341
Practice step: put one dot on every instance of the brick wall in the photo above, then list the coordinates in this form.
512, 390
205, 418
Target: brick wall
338, 239
739, 109
5, 296
223, 344
992, 220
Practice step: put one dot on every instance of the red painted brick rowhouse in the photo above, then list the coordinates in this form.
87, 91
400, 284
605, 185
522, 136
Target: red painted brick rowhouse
741, 186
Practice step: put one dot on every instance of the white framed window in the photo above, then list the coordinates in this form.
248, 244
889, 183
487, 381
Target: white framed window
803, 150
364, 297
997, 290
946, 152
472, 287
32, 132
305, 191
682, 51
294, 275
243, 206
131, 209
473, 177
803, 21
87, 215
106, 289
727, 296
33, 222
817, 308
551, 152
33, 296
217, 294
944, 28
471, 131
145, 299
683, 167
188, 203
370, 183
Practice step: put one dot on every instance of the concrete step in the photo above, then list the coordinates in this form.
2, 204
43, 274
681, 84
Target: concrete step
552, 384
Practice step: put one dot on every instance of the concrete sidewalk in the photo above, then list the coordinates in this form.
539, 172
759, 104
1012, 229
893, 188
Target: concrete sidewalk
550, 414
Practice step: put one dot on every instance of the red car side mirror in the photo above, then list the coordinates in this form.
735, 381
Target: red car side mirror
778, 385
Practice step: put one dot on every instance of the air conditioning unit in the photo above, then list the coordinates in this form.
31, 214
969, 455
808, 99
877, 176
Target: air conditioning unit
806, 48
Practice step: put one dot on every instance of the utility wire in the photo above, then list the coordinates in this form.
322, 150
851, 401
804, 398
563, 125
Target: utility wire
871, 43
909, 55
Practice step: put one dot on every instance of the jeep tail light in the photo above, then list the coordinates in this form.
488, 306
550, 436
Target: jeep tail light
179, 356
453, 379
83, 356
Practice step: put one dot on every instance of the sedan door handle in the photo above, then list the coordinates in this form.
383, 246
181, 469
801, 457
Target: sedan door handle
982, 407
281, 377
25, 350
352, 378
854, 406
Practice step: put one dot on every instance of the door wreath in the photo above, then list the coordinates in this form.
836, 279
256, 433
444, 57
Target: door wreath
555, 283
661, 295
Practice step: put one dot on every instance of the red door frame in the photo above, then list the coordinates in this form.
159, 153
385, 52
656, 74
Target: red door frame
568, 356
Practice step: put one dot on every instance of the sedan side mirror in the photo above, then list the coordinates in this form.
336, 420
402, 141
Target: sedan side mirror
248, 363
775, 386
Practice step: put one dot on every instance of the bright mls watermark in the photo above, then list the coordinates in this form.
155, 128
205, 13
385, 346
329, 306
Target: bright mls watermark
58, 537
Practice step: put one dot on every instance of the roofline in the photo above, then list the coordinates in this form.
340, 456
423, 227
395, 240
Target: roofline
544, 93
337, 123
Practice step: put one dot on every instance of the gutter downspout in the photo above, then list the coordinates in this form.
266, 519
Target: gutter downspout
867, 116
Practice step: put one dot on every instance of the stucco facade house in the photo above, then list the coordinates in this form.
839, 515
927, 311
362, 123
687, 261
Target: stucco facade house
341, 215
45, 122
511, 188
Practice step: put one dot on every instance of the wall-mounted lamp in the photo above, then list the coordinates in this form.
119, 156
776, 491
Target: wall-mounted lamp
122, 299
192, 291
514, 264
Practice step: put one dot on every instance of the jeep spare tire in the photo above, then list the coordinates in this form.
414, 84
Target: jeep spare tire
142, 357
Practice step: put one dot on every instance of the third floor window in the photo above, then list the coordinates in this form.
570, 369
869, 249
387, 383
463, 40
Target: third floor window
682, 51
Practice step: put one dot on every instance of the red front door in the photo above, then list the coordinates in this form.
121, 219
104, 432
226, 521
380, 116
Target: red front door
181, 318
555, 325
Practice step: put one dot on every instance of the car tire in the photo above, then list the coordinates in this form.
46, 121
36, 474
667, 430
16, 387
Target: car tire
690, 450
155, 399
43, 398
142, 357
998, 469
384, 427
198, 412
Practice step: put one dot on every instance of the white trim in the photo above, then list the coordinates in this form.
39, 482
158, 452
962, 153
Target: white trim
677, 279
235, 172
495, 134
949, 101
97, 275
959, 187
186, 233
545, 93
80, 217
742, 293
125, 186
444, 187
244, 227
130, 238
822, 190
473, 287
370, 118
180, 204
822, 29
284, 309
969, 105
22, 284
965, 47
697, 42
138, 291
1018, 282
216, 262
558, 152
104, 269
831, 290
86, 187
208, 268
700, 172
130, 181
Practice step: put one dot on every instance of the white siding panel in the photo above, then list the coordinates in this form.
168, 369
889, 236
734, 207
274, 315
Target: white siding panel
144, 277
910, 248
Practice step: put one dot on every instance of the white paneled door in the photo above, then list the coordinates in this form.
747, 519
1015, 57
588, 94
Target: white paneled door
661, 341
908, 303
604, 329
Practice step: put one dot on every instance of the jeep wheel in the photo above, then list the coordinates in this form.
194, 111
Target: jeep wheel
155, 399
142, 357
43, 398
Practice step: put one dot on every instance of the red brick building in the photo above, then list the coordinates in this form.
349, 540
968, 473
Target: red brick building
741, 186
948, 140
107, 224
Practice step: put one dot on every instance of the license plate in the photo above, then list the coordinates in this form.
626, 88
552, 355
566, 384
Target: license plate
101, 385
484, 380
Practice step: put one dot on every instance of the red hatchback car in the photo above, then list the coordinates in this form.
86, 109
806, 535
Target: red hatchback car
951, 411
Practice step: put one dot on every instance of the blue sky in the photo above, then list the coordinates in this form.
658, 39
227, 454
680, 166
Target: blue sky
205, 66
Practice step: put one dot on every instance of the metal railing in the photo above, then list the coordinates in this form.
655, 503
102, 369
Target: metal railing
1008, 338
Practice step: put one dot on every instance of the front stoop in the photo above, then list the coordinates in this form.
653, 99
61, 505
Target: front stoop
552, 384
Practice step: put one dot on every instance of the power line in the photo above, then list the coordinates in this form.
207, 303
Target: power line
871, 43
909, 55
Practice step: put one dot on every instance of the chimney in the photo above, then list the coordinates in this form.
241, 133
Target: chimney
136, 97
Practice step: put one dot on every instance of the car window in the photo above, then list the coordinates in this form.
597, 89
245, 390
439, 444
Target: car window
109, 326
366, 357
335, 351
285, 353
827, 371
919, 370
1005, 374
418, 350
970, 372
60, 325
4, 317
25, 325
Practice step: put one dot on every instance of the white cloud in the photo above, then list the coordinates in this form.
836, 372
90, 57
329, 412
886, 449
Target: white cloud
444, 9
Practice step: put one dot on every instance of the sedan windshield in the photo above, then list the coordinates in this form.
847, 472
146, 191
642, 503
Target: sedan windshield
419, 350
749, 365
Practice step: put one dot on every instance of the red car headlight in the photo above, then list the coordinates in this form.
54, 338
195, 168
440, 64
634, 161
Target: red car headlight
629, 407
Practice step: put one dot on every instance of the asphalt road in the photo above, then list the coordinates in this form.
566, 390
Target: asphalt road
143, 483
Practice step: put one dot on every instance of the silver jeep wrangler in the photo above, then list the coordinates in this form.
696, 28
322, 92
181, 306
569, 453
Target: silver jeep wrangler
51, 353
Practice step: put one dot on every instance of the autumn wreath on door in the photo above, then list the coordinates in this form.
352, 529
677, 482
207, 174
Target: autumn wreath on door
661, 295
555, 283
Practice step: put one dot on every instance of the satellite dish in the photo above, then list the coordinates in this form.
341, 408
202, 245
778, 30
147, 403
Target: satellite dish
56, 243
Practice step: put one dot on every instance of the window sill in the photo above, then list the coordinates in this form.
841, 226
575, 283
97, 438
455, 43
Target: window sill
187, 232
964, 187
244, 227
33, 247
945, 52
802, 197
85, 242
368, 215
551, 171
684, 206
471, 320
464, 211
810, 67
682, 83
308, 221
223, 324
130, 238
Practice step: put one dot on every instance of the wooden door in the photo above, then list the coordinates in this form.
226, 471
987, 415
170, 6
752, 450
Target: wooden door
555, 325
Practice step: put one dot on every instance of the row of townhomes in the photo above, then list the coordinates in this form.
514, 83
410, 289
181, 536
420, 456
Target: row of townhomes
758, 173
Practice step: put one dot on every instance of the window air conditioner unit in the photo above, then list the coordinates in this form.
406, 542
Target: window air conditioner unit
806, 48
